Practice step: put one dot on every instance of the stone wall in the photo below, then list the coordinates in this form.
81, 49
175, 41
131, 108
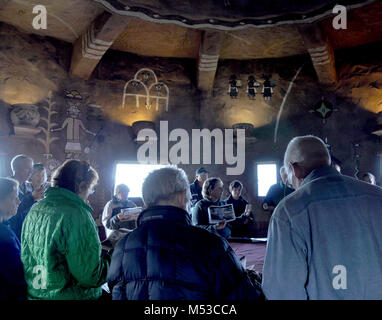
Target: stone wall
34, 70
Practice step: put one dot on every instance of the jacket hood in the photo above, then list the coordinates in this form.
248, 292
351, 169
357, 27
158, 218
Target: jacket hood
168, 213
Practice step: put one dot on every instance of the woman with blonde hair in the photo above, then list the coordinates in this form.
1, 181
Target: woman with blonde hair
60, 247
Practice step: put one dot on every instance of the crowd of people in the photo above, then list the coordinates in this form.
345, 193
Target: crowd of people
170, 251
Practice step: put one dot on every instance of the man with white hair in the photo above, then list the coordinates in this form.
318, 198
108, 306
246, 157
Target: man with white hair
22, 166
166, 258
324, 240
369, 178
277, 192
112, 216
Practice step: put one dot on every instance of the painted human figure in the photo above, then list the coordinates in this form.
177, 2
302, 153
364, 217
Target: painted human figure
233, 90
73, 124
267, 90
251, 87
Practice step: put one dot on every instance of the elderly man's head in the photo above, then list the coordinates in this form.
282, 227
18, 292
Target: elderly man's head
167, 186
21, 166
302, 156
284, 175
122, 192
369, 178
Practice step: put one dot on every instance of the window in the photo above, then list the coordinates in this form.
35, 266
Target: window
266, 176
133, 176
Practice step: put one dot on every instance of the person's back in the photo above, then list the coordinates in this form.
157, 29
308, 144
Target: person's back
12, 283
65, 227
60, 247
166, 258
333, 225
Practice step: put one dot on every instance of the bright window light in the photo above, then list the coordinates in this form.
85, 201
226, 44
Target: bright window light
133, 176
266, 176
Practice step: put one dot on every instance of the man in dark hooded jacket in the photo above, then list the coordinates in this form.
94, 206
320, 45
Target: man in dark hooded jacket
166, 258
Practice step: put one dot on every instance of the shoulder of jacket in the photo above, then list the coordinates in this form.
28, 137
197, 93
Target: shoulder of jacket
67, 209
214, 241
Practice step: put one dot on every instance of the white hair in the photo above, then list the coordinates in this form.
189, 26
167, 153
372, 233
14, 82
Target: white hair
309, 151
283, 170
164, 184
283, 173
17, 159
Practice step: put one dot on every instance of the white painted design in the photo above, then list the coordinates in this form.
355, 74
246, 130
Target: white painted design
322, 62
317, 49
48, 124
98, 41
92, 47
209, 57
320, 55
283, 102
208, 63
207, 69
147, 87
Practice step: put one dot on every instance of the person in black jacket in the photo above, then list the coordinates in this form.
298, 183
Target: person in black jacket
12, 282
166, 258
277, 192
244, 217
212, 191
201, 175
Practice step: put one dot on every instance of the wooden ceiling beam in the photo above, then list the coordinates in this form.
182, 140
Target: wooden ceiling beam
90, 47
321, 52
208, 59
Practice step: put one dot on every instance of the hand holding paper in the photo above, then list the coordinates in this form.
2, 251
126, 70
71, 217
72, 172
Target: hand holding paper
129, 214
218, 214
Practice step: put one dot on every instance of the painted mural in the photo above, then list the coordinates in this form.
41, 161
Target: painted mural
73, 125
146, 88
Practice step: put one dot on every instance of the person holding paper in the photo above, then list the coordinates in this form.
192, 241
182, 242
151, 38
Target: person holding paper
212, 191
112, 217
242, 209
166, 258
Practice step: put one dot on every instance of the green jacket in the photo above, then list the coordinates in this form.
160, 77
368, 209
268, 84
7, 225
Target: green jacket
61, 250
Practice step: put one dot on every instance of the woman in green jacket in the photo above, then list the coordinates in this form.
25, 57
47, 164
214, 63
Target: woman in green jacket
60, 247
